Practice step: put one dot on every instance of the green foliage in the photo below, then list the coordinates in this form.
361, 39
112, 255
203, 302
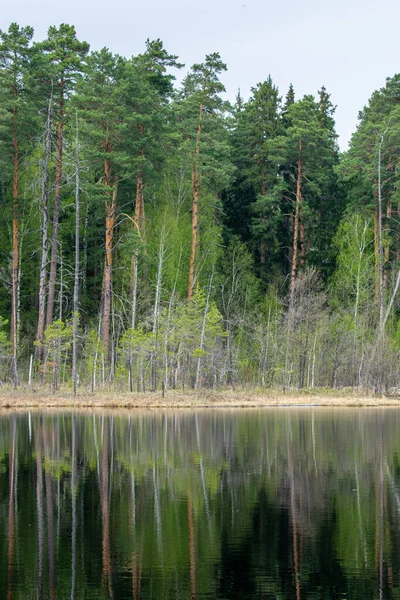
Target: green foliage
63, 58
4, 341
17, 113
353, 281
142, 136
93, 356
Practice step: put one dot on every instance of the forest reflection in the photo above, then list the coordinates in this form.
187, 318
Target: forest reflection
266, 504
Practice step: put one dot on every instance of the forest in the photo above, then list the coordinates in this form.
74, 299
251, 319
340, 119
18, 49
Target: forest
156, 236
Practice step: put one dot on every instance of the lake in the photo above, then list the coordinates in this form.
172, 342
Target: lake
205, 504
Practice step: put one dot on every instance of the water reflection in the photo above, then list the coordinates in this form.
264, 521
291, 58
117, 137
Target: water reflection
284, 504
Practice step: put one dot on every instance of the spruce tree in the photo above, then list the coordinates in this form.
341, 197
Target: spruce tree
263, 124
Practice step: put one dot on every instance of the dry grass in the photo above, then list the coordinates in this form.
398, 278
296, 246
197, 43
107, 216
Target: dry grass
173, 399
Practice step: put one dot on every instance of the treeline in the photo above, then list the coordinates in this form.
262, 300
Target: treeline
154, 235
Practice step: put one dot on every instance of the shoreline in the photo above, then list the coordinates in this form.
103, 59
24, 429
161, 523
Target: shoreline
175, 400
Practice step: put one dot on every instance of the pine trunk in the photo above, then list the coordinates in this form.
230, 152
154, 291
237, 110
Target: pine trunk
139, 204
195, 207
293, 273
302, 243
107, 278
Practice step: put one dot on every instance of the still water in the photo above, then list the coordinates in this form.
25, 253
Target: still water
262, 504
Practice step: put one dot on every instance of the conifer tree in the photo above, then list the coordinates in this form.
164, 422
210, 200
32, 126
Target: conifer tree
201, 111
151, 68
370, 173
263, 125
306, 150
103, 115
15, 53
63, 62
289, 100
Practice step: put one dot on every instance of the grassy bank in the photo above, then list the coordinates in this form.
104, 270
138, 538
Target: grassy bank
176, 399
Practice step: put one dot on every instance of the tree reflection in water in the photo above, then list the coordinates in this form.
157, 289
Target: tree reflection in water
289, 504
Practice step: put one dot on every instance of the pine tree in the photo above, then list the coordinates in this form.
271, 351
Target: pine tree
64, 57
99, 102
305, 152
201, 110
151, 68
15, 54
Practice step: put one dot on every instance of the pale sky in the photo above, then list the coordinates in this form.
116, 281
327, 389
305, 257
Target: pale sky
348, 46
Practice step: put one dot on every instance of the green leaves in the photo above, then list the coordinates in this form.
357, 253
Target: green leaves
17, 110
4, 341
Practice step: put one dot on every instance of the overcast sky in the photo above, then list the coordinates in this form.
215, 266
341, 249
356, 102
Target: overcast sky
350, 46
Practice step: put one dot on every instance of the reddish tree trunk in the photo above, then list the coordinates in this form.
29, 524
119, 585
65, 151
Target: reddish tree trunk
302, 243
139, 204
195, 207
107, 278
293, 272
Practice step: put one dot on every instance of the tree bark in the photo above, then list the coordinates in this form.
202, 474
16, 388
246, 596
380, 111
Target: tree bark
56, 210
139, 204
302, 243
195, 207
293, 273
107, 278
